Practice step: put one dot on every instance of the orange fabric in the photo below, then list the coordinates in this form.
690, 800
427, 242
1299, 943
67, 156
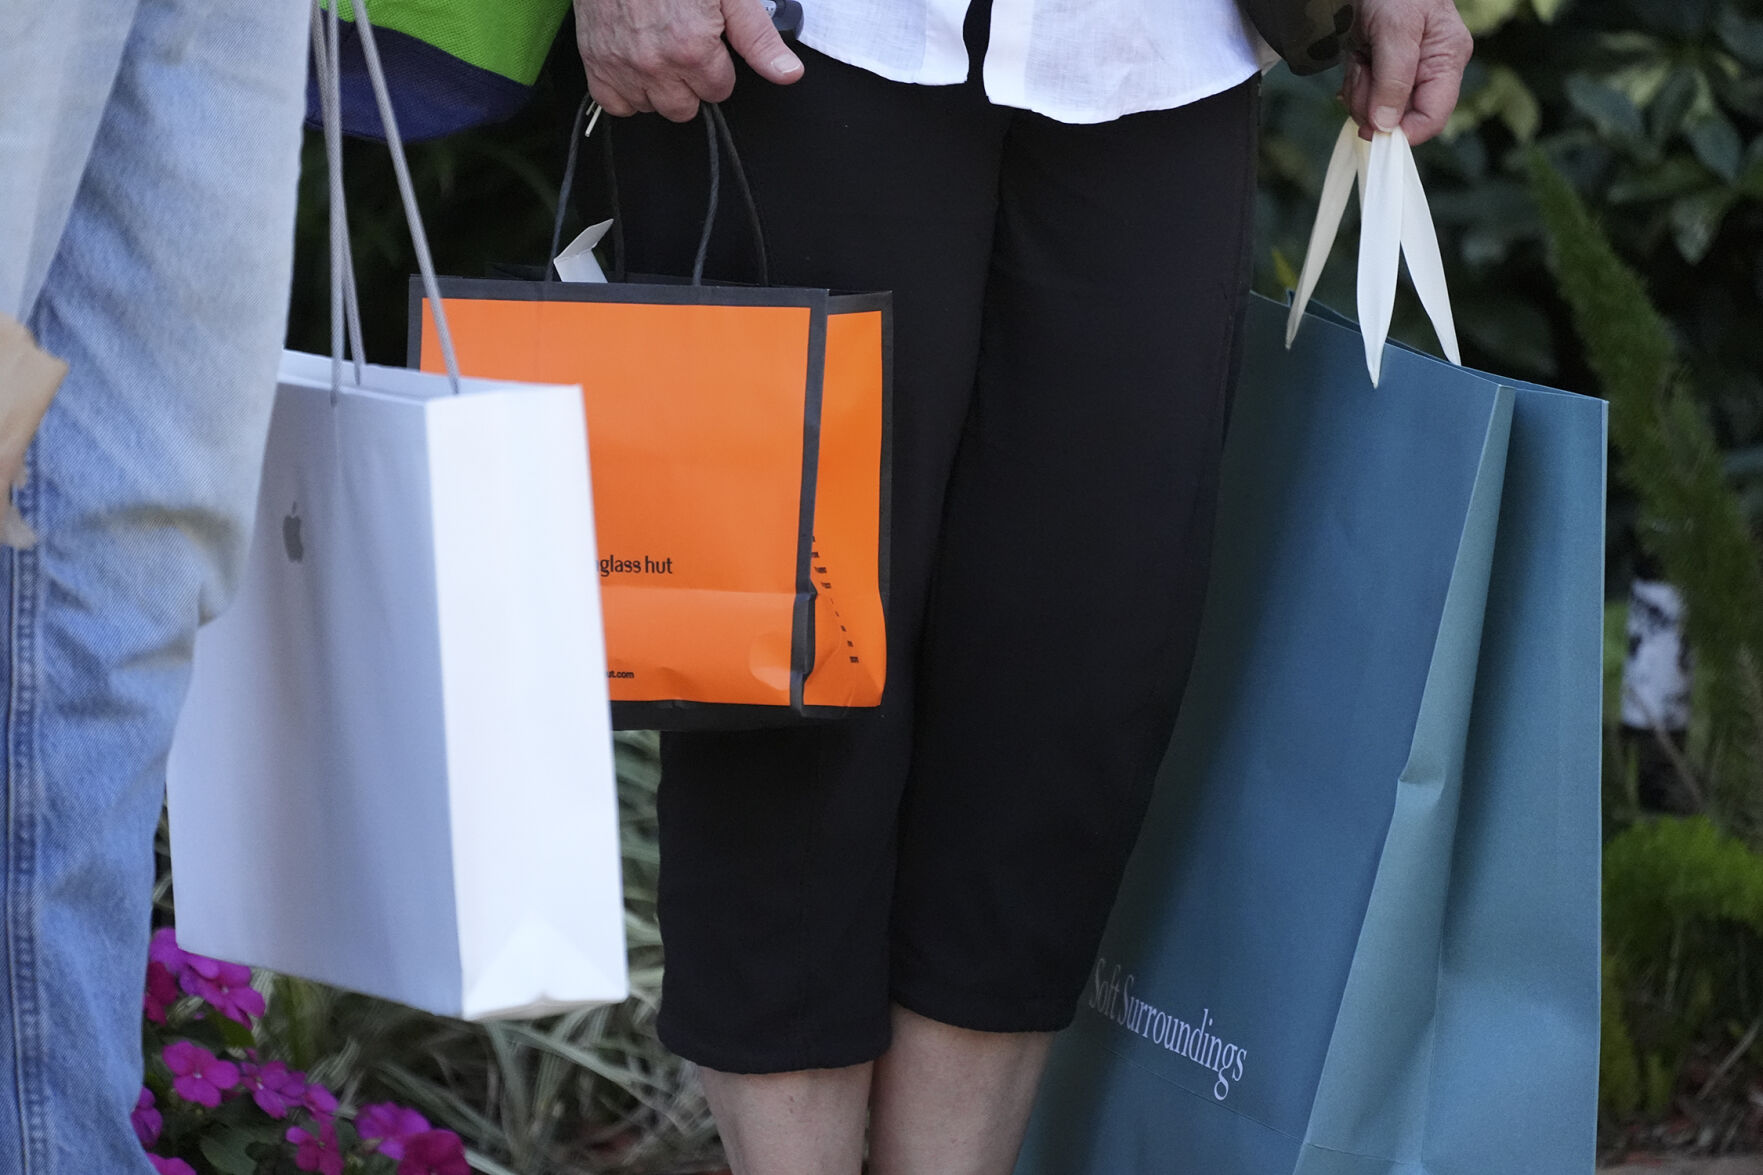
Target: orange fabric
850, 636
695, 439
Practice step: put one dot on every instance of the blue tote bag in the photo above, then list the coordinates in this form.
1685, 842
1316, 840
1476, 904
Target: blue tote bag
1359, 935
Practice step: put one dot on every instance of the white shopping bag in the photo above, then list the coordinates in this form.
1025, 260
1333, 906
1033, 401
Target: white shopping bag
394, 770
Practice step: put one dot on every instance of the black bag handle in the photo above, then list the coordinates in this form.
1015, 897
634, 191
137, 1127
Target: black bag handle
718, 139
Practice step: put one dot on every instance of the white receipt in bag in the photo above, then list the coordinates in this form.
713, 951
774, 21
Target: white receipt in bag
394, 770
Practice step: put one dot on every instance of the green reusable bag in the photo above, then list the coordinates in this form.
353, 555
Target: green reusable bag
450, 64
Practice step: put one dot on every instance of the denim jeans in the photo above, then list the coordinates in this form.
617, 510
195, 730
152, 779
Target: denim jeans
148, 162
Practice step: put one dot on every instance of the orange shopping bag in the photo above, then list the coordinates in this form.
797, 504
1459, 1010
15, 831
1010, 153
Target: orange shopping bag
738, 443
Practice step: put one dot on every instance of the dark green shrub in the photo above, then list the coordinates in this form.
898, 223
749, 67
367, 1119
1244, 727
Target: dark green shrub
1691, 519
1683, 973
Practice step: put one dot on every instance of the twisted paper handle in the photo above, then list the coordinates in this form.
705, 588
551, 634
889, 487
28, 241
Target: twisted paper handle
1397, 224
327, 51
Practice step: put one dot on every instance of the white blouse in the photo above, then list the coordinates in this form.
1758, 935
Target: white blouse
1072, 60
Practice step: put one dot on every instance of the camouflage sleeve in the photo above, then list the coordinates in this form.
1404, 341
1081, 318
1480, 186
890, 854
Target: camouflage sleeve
1310, 34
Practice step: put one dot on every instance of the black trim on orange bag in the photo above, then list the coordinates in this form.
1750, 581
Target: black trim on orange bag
681, 713
659, 293
676, 714
802, 622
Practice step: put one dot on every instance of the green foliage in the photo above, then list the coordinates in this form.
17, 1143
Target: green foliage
1692, 520
1662, 876
1628, 344
1619, 1072
1683, 911
1485, 15
1615, 652
1504, 96
1661, 103
1662, 1078
1677, 893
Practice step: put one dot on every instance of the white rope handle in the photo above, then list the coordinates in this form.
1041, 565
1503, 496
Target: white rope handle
1397, 225
345, 302
342, 268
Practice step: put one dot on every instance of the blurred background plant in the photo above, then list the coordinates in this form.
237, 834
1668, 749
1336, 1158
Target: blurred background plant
1683, 893
1595, 139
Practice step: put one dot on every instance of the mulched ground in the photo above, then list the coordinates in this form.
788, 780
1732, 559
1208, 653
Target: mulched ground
1666, 1165
1718, 1111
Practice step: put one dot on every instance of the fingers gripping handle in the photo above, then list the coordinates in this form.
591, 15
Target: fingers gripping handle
1397, 224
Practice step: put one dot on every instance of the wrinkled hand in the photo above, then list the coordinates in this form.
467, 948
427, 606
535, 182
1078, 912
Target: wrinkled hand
1408, 66
668, 55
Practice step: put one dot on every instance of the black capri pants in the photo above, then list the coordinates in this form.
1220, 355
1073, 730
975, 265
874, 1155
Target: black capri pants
1067, 304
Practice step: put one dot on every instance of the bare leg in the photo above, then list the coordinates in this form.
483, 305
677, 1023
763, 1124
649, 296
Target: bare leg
950, 1101
804, 1123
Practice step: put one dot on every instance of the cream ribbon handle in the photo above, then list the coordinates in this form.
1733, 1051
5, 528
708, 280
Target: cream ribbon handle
1397, 225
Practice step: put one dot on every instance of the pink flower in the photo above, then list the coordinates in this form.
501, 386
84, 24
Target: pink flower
162, 991
274, 1087
170, 1166
198, 1076
227, 986
317, 1152
146, 1119
165, 951
434, 1152
320, 1102
391, 1126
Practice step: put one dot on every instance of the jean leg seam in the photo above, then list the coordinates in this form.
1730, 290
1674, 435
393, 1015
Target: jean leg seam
23, 818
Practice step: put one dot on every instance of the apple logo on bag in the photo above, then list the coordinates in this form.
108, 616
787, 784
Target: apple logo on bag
291, 540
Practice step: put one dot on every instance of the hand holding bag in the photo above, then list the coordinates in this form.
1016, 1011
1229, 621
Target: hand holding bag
394, 769
740, 447
1359, 934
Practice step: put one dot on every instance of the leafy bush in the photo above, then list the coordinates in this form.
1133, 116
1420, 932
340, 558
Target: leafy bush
1653, 111
1683, 899
1684, 962
1664, 877
1692, 520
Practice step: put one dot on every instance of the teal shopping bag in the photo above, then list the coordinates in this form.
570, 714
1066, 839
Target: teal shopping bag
1359, 935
